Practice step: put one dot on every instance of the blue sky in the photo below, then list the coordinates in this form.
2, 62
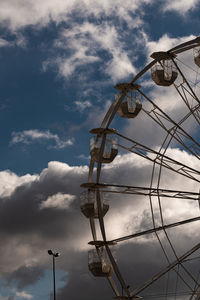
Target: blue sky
45, 83
60, 61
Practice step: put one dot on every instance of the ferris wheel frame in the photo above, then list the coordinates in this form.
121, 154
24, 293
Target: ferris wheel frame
176, 132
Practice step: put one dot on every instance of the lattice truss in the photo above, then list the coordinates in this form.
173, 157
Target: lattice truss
174, 73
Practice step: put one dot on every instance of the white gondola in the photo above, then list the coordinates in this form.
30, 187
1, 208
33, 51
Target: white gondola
164, 73
88, 204
98, 263
132, 105
197, 56
110, 150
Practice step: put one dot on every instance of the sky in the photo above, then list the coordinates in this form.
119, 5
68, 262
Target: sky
60, 61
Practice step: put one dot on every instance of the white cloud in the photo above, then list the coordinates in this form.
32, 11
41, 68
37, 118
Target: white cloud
58, 201
4, 43
82, 105
24, 295
164, 43
180, 6
84, 157
67, 66
18, 40
34, 135
120, 66
16, 14
85, 43
9, 181
83, 40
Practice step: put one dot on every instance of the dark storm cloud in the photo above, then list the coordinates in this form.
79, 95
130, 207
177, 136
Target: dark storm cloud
29, 228
138, 263
21, 213
25, 276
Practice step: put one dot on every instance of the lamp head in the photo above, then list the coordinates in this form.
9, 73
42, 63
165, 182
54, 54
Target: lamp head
50, 252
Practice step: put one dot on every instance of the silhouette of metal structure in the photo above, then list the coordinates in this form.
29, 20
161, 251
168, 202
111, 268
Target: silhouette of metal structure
166, 71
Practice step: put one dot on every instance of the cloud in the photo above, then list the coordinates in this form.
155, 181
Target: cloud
42, 210
84, 157
59, 201
24, 295
35, 135
17, 14
17, 40
164, 43
180, 6
23, 207
90, 43
9, 181
103, 42
82, 105
25, 275
167, 98
61, 226
17, 295
4, 43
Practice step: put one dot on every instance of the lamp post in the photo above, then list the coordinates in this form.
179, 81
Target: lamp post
50, 252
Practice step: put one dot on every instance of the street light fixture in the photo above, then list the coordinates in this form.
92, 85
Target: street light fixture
50, 252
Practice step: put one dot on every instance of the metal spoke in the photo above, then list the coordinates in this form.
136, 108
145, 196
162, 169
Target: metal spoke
193, 43
153, 230
160, 159
144, 191
162, 119
164, 271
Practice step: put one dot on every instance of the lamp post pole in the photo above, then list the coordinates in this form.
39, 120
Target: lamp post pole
50, 252
54, 278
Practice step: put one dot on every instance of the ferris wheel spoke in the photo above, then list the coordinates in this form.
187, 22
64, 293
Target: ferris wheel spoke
183, 47
169, 125
141, 191
196, 293
153, 296
194, 109
145, 191
187, 94
186, 85
160, 159
167, 269
153, 230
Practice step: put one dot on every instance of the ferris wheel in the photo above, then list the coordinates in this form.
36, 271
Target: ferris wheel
166, 93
